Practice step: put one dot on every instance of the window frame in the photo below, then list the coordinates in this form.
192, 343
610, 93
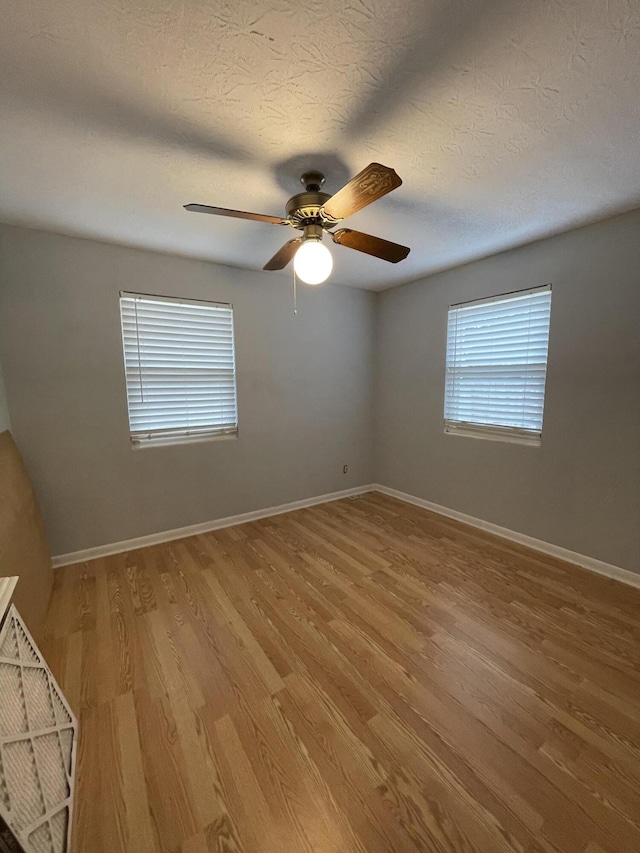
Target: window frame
496, 432
181, 436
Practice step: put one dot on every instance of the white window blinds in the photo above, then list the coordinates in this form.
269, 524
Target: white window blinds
180, 368
497, 365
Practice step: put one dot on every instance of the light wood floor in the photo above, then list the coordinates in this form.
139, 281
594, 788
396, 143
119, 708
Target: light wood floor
359, 677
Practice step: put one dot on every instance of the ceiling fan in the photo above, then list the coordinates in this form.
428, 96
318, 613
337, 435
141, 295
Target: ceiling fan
313, 212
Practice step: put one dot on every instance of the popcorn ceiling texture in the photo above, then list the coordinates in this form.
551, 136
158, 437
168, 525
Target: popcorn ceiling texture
508, 121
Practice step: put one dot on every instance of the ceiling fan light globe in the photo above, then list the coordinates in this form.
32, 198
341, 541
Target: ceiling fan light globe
313, 262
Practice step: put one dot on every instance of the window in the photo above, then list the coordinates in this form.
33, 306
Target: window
497, 365
180, 368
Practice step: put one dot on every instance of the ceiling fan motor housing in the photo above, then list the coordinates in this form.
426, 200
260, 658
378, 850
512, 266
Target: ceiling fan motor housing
304, 209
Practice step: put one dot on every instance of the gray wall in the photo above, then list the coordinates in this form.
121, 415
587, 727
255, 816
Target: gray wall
305, 390
581, 488
306, 393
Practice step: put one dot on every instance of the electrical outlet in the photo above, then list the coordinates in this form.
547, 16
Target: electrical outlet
345, 468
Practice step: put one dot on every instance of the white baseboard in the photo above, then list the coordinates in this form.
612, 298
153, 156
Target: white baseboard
194, 529
590, 563
615, 572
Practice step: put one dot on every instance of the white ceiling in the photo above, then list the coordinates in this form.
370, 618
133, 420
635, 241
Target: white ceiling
507, 119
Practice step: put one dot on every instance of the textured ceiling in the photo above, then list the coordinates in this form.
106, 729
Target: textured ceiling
508, 120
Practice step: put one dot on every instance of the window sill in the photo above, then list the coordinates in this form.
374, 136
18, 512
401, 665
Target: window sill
172, 442
494, 434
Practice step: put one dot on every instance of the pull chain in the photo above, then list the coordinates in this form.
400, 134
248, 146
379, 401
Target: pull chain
295, 292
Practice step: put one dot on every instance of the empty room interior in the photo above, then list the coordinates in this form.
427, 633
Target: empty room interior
320, 426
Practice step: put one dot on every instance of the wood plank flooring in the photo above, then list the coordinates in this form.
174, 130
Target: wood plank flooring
359, 677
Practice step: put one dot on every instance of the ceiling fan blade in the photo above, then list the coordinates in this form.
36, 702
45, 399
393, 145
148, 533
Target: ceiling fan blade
239, 214
368, 185
376, 246
284, 255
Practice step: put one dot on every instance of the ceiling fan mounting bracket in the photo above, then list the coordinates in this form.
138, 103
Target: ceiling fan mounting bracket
312, 181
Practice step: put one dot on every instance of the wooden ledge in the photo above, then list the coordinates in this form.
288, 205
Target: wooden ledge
7, 586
